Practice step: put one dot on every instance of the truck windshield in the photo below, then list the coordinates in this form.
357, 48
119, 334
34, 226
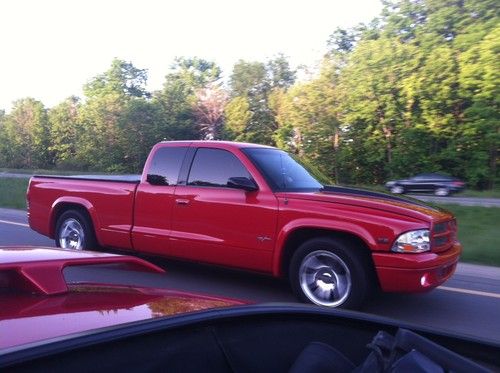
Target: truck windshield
282, 172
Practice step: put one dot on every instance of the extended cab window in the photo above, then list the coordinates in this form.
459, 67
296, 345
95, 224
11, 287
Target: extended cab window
214, 167
167, 161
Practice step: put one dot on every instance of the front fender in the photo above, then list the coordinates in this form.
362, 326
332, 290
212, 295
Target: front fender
322, 224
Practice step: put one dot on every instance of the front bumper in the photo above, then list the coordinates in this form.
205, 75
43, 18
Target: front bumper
411, 273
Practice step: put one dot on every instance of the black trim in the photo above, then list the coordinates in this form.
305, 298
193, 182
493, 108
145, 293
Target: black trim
94, 178
330, 189
185, 166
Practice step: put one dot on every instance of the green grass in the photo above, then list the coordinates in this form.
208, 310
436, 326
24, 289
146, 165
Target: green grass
29, 172
478, 231
478, 227
493, 193
13, 192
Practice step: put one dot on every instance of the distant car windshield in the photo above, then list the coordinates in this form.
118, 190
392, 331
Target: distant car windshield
281, 171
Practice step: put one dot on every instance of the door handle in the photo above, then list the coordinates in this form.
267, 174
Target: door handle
181, 201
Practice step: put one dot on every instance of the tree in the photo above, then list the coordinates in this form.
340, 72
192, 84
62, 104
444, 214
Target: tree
178, 101
139, 129
480, 136
308, 121
279, 73
341, 41
27, 129
255, 82
209, 110
65, 132
4, 141
106, 143
122, 78
403, 19
374, 86
237, 118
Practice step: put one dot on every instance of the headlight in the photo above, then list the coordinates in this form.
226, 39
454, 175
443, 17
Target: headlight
413, 242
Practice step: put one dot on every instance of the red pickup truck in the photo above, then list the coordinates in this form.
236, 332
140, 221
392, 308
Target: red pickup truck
253, 207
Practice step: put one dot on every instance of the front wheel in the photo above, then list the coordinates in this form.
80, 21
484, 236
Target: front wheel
329, 272
74, 231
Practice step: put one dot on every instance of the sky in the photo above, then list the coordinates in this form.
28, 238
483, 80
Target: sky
51, 48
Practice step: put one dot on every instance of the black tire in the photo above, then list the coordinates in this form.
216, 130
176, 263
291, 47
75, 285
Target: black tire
342, 278
74, 230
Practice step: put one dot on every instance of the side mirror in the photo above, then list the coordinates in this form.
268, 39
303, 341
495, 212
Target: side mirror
156, 179
242, 183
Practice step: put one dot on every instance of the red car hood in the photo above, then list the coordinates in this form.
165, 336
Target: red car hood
36, 303
374, 200
32, 318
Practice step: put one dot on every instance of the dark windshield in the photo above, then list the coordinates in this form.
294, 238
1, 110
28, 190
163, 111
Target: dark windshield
281, 171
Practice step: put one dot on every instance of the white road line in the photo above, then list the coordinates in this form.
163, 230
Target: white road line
14, 223
473, 292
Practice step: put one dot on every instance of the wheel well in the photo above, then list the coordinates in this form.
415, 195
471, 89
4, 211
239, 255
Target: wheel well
300, 236
62, 208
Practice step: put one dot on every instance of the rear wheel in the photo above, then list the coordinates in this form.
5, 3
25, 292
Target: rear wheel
329, 272
397, 189
74, 231
442, 192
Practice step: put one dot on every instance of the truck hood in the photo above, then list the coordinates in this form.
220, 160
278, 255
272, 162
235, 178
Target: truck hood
403, 206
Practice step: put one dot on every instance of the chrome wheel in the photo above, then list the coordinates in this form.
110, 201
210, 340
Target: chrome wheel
442, 192
71, 235
325, 278
396, 189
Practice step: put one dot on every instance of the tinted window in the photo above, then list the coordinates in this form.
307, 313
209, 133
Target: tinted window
281, 171
431, 177
420, 177
166, 164
214, 167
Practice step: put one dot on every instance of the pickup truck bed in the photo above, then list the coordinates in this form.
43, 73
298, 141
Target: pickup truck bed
111, 217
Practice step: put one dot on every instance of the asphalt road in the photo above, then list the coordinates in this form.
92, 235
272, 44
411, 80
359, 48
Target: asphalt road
469, 303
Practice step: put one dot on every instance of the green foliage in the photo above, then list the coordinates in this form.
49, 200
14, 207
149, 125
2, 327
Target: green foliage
478, 233
13, 192
419, 92
65, 132
177, 101
4, 140
122, 78
238, 116
27, 134
308, 124
255, 83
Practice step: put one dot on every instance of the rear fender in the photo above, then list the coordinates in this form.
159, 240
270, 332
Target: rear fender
59, 205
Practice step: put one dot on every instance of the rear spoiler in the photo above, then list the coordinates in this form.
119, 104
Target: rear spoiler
40, 270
